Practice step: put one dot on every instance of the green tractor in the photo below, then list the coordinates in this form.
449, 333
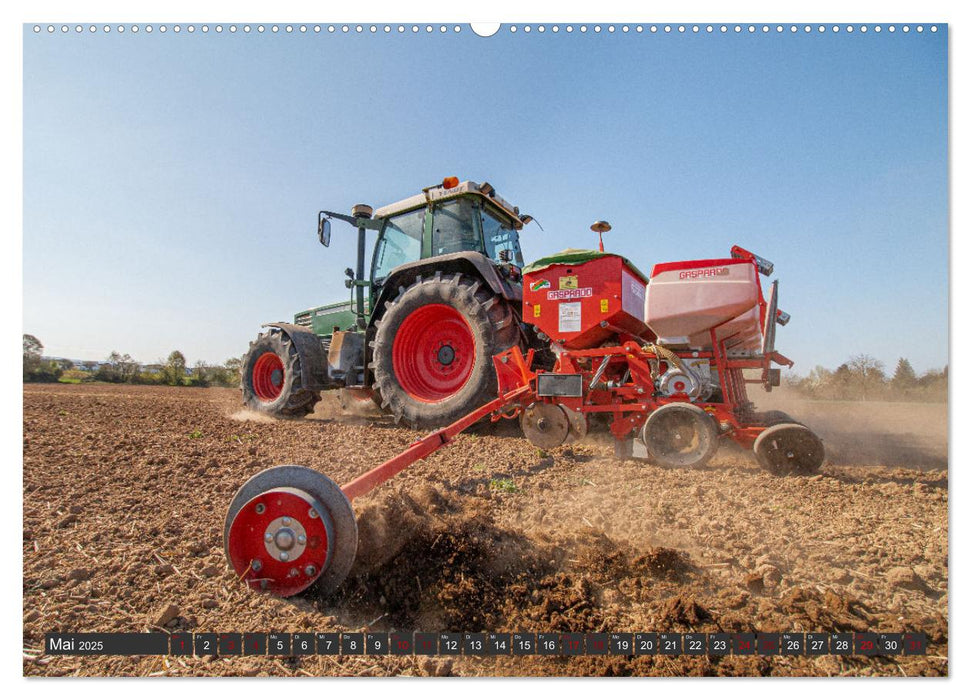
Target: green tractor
443, 295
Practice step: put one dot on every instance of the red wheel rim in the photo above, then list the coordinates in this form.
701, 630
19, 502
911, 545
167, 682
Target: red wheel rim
433, 353
268, 376
278, 542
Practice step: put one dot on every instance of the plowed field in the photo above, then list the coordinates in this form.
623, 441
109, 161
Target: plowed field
125, 490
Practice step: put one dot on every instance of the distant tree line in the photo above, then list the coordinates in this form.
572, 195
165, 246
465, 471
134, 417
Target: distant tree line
122, 369
36, 368
861, 378
864, 378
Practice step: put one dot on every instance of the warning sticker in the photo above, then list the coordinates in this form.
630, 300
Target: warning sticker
604, 306
569, 282
536, 309
570, 317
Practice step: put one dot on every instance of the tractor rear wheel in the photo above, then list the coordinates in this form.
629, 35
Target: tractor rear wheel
272, 377
432, 353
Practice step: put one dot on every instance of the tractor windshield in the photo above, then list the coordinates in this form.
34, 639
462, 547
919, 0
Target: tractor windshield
453, 230
400, 243
500, 235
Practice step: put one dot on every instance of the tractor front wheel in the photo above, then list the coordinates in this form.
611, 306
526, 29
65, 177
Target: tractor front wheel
272, 377
432, 353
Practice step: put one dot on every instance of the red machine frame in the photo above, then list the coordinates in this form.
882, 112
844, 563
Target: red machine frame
630, 401
621, 381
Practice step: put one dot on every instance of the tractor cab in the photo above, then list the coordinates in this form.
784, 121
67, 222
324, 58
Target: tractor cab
449, 218
463, 219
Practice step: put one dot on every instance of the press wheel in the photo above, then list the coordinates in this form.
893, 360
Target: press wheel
680, 435
289, 527
789, 448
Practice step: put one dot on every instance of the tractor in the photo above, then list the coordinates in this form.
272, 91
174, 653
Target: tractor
443, 295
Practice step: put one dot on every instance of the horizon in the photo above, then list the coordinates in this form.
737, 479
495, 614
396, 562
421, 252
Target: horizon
888, 368
175, 207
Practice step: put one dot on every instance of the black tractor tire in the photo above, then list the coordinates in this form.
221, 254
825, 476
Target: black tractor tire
493, 327
284, 396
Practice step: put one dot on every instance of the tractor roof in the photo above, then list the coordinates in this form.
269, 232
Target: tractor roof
439, 192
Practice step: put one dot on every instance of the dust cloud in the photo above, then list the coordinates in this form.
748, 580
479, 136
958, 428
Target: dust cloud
871, 433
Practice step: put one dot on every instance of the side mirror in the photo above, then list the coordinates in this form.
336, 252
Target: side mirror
323, 230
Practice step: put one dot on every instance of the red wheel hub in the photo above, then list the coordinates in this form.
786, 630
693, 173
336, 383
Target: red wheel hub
278, 541
433, 353
268, 375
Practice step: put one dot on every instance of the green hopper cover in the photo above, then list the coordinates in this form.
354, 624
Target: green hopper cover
576, 256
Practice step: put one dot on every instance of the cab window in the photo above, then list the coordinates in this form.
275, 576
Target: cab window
500, 235
400, 243
453, 230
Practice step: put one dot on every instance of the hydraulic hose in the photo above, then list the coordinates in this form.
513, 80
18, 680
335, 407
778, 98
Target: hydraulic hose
673, 359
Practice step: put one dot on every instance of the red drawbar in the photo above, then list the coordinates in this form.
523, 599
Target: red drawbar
268, 375
433, 353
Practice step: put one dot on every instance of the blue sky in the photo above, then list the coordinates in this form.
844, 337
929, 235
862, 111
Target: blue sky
171, 182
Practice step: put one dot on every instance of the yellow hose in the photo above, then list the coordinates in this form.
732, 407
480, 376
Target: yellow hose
662, 351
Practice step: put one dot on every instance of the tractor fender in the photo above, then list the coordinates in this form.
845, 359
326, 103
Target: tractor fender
466, 262
313, 359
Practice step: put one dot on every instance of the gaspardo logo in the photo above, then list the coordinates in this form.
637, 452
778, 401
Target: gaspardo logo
569, 293
704, 273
